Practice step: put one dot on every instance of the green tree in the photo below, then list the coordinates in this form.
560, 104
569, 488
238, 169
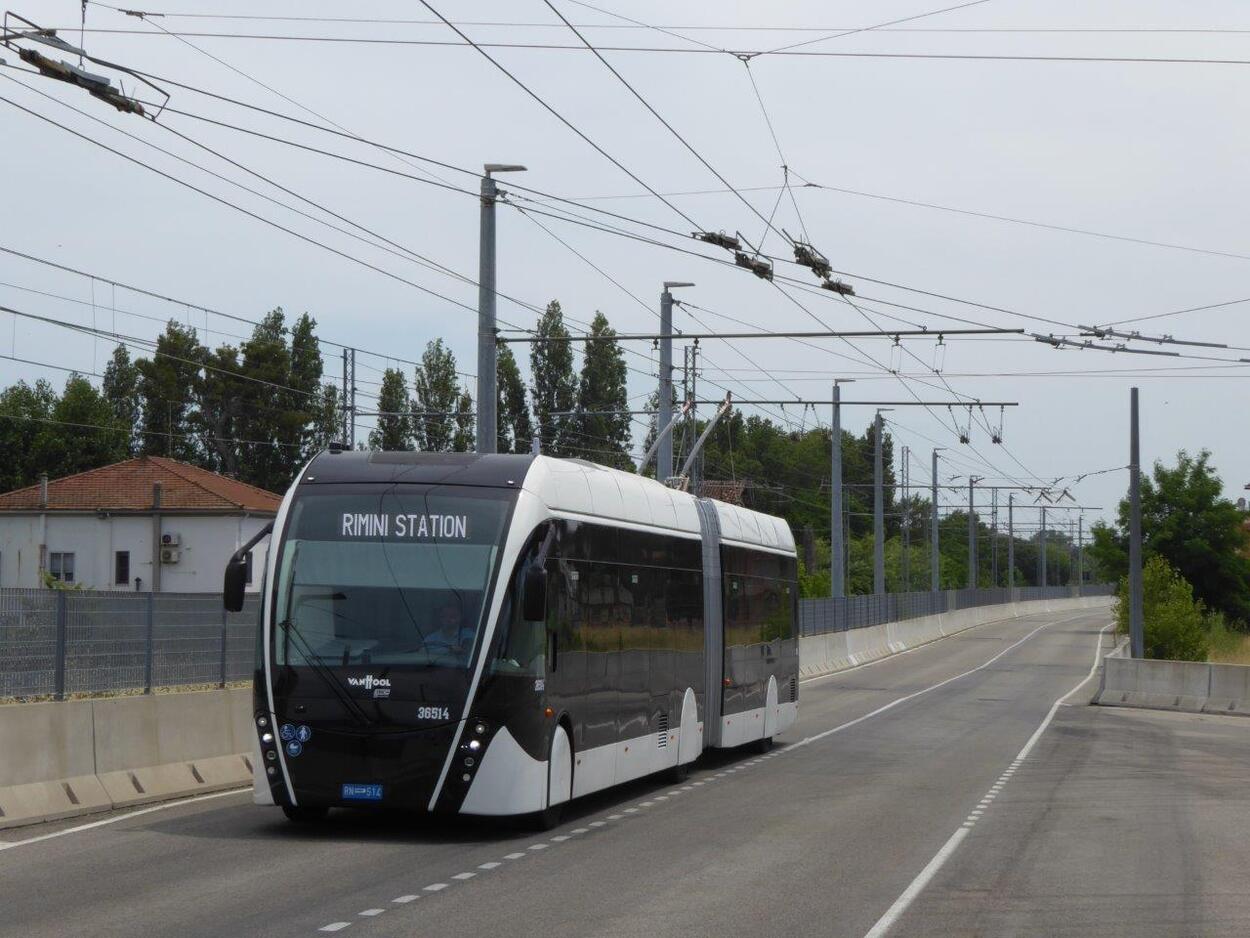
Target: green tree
465, 438
223, 392
1173, 621
1187, 521
602, 400
327, 421
169, 386
555, 386
436, 399
74, 441
121, 390
394, 426
270, 418
306, 396
24, 411
515, 428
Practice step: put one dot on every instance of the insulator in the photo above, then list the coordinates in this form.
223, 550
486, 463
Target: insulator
808, 256
837, 286
719, 238
758, 266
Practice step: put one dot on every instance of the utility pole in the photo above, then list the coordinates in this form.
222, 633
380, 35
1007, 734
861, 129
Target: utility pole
1011, 540
664, 458
972, 534
343, 402
487, 394
994, 536
1041, 551
837, 546
935, 579
1136, 629
694, 415
1080, 554
351, 438
906, 562
878, 516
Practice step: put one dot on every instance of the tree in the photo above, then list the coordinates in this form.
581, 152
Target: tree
121, 390
515, 428
465, 438
394, 427
1174, 626
602, 421
307, 369
270, 418
436, 399
223, 392
1198, 532
76, 440
555, 386
24, 411
169, 385
327, 421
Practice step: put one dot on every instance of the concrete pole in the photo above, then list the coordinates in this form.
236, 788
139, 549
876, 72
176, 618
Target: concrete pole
972, 535
878, 516
351, 392
487, 395
1045, 578
1011, 540
935, 573
1080, 554
906, 563
1136, 623
664, 456
837, 547
343, 402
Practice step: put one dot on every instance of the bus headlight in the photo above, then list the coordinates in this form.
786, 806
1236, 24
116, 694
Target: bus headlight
475, 744
266, 738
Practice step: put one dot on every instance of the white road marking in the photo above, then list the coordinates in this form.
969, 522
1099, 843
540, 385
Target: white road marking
615, 817
435, 887
334, 926
917, 885
580, 830
9, 845
404, 900
513, 856
464, 876
539, 846
489, 865
370, 913
559, 838
597, 823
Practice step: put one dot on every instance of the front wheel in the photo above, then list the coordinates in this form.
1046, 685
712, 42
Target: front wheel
559, 781
303, 814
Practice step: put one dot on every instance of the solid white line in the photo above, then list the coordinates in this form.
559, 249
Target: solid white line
901, 904
9, 845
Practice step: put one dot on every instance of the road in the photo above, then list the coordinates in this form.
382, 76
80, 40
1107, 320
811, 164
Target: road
945, 791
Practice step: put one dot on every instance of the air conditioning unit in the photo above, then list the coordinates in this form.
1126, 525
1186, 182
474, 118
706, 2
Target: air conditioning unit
171, 540
170, 554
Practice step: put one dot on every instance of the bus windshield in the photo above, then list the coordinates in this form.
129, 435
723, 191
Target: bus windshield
387, 575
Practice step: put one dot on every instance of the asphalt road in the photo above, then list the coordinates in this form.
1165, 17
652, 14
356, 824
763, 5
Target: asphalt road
901, 802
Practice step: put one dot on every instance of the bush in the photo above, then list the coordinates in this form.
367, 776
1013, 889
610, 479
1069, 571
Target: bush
1175, 622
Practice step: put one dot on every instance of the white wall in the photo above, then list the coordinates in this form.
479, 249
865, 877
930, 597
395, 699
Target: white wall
207, 543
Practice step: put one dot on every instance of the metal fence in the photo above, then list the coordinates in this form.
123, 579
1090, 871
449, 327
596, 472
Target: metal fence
818, 616
59, 642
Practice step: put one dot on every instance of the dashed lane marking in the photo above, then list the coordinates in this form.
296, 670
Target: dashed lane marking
334, 926
370, 913
404, 900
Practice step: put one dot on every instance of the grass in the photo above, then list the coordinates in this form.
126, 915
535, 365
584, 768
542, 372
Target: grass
1228, 646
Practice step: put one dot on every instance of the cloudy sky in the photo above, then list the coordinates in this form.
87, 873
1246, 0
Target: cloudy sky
1142, 151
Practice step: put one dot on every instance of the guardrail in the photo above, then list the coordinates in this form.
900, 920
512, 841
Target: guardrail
821, 616
55, 643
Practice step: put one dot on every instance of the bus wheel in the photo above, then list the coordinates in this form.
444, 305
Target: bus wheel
762, 745
303, 814
678, 773
559, 781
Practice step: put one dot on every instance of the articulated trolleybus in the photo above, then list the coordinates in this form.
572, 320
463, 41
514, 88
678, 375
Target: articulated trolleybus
496, 635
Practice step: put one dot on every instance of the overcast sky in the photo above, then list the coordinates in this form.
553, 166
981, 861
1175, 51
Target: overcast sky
1155, 152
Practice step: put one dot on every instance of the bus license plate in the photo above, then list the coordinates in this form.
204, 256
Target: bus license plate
355, 792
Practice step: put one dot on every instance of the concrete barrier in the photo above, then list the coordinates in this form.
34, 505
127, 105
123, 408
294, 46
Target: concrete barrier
77, 757
1186, 686
837, 651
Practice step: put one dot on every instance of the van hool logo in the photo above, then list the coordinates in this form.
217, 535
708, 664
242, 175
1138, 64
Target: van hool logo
369, 682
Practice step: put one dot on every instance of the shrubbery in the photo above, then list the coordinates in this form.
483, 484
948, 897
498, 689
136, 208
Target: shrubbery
1177, 626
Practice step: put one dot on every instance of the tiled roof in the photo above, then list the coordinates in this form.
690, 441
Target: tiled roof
127, 486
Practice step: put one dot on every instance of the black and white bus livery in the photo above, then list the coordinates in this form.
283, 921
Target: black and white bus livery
495, 635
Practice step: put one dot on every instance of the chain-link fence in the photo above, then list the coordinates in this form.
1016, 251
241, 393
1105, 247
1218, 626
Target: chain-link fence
59, 642
818, 616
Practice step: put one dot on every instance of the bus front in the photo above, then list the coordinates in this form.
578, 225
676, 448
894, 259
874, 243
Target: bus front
376, 610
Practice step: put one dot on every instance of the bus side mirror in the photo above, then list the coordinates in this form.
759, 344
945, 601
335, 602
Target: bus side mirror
235, 580
534, 594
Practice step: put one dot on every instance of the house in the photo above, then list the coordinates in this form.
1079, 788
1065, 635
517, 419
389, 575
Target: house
146, 524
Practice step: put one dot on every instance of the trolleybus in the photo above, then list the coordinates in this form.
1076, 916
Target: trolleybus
499, 634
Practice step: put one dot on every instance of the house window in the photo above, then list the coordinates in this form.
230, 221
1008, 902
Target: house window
62, 567
247, 559
121, 568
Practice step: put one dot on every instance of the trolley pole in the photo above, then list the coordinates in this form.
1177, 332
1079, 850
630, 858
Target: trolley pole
1011, 540
664, 456
1136, 629
487, 393
935, 559
878, 516
837, 562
